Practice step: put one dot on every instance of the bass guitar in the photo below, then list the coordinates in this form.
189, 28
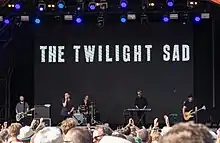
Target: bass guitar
22, 115
191, 113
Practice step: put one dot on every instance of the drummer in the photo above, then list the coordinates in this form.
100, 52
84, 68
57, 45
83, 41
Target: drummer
85, 107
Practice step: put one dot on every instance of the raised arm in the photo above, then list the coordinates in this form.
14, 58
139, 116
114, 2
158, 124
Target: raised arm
64, 103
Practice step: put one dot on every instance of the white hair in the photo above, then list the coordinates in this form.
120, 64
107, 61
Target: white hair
49, 135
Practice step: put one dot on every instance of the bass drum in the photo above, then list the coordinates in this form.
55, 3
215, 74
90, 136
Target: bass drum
80, 119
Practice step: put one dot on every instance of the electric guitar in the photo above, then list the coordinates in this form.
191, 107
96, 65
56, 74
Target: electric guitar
22, 115
191, 113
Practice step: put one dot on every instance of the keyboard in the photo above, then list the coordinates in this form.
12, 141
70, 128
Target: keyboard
141, 110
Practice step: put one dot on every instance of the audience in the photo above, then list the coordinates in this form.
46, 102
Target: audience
69, 133
14, 130
188, 133
78, 135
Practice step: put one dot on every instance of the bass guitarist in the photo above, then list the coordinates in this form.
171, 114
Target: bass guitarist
22, 107
188, 106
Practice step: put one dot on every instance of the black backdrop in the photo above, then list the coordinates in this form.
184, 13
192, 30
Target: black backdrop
113, 85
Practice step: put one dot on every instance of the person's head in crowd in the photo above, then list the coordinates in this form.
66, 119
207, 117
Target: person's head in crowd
126, 131
187, 133
143, 134
25, 134
21, 98
68, 124
48, 135
78, 135
190, 98
101, 131
14, 130
112, 139
4, 136
155, 137
139, 93
5, 125
120, 135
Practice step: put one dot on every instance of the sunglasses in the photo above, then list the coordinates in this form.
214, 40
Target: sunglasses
97, 137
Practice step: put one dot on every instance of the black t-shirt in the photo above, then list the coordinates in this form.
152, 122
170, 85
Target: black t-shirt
140, 102
189, 105
68, 107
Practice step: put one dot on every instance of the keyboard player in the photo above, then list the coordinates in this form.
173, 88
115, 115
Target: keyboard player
141, 103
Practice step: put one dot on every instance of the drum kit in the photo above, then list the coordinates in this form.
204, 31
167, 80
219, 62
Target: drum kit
86, 114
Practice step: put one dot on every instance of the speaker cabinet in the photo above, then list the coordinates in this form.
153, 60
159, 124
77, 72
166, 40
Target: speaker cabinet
41, 111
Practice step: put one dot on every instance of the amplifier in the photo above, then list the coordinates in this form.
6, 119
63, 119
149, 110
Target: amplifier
41, 111
47, 121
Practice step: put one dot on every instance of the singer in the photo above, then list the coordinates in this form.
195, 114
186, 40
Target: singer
67, 106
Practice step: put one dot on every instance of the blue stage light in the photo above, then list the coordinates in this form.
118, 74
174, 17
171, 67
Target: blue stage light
60, 5
92, 6
123, 3
166, 19
6, 21
78, 20
37, 21
17, 6
123, 19
197, 19
170, 3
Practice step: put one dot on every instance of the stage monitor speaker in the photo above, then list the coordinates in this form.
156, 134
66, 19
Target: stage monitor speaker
41, 111
80, 118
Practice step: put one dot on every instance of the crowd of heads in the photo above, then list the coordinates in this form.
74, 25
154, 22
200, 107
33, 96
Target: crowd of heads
69, 132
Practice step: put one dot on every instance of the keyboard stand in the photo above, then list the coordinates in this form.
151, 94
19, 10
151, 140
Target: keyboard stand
139, 122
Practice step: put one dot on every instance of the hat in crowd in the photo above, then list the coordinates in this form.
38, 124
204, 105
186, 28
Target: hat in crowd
111, 139
25, 133
49, 135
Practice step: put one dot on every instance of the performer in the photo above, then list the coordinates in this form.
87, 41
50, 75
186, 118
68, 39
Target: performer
67, 106
22, 106
188, 106
141, 103
85, 108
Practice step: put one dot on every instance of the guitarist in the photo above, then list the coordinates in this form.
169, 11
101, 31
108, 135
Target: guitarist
22, 106
188, 106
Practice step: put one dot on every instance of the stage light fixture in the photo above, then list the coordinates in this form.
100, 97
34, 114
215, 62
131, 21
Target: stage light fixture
17, 6
205, 15
174, 16
92, 5
166, 19
170, 3
197, 19
51, 5
184, 18
123, 3
37, 21
144, 18
41, 6
25, 18
68, 17
191, 3
61, 4
123, 19
78, 20
6, 21
100, 20
151, 4
11, 5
